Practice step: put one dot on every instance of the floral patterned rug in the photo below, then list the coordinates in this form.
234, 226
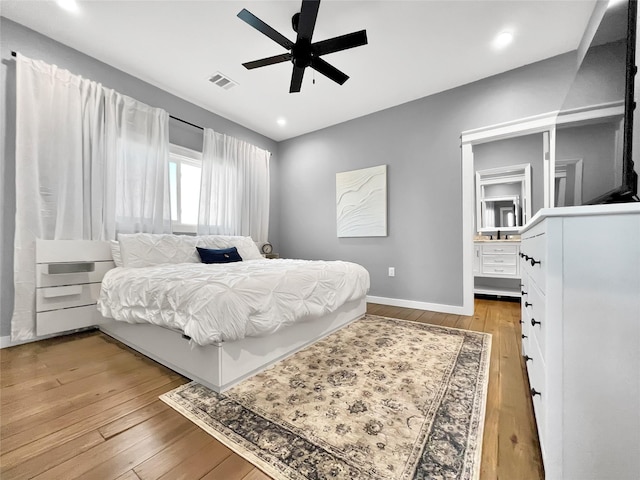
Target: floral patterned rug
380, 399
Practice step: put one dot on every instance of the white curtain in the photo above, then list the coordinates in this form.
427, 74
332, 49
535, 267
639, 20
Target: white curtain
138, 151
75, 141
234, 192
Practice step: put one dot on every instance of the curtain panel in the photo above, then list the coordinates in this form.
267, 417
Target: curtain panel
234, 191
90, 162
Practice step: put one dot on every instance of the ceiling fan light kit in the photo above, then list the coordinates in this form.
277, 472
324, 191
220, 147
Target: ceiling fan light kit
304, 53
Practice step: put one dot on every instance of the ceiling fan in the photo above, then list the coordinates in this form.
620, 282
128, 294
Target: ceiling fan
303, 53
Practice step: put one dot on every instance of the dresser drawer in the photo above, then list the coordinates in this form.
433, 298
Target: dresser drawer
536, 312
538, 391
533, 259
52, 298
488, 249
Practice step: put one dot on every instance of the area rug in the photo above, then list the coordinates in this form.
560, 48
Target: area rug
380, 399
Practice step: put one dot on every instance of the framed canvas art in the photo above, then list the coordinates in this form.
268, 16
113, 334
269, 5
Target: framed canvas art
361, 202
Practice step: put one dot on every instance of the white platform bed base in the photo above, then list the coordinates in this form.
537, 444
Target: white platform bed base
69, 273
222, 366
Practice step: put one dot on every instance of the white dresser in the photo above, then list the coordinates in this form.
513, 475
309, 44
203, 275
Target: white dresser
581, 338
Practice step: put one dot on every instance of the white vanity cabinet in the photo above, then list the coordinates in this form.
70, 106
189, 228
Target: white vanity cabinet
67, 285
581, 338
495, 259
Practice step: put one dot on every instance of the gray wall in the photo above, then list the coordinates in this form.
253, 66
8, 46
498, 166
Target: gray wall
18, 38
420, 142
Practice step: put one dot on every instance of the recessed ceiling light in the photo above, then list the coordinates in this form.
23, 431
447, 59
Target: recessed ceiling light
281, 121
502, 39
70, 5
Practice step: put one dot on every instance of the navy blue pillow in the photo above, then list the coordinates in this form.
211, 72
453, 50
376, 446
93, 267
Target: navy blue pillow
225, 255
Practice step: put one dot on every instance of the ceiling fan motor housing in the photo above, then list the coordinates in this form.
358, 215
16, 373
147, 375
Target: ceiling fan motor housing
302, 53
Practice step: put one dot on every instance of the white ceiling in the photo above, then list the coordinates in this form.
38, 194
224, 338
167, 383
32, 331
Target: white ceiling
416, 48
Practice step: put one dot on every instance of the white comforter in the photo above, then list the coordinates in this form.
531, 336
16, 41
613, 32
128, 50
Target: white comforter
225, 302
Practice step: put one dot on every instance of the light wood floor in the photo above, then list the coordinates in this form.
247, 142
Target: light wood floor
84, 406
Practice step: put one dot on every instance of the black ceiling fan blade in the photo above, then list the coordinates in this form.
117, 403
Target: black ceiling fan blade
329, 71
263, 62
262, 27
296, 79
307, 21
343, 42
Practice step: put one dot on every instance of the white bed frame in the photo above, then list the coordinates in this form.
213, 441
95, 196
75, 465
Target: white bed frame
222, 366
218, 366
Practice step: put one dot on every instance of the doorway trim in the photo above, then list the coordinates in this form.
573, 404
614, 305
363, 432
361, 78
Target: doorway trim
544, 123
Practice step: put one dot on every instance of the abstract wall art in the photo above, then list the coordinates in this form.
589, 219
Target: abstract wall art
361, 201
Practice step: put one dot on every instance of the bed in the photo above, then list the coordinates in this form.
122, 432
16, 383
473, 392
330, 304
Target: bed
163, 302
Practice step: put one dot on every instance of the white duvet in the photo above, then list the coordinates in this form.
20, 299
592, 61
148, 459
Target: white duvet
225, 302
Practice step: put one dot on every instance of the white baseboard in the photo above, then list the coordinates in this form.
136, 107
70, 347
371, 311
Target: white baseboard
434, 307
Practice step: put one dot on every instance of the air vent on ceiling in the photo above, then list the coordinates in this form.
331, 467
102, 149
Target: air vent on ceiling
222, 81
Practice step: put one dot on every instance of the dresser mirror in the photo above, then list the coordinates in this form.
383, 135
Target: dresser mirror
503, 198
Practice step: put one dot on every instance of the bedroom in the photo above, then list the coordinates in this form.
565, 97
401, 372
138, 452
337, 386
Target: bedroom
424, 180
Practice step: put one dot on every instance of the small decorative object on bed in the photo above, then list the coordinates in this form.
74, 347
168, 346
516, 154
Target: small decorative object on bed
361, 200
223, 255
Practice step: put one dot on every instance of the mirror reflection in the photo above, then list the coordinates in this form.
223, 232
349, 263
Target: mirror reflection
503, 198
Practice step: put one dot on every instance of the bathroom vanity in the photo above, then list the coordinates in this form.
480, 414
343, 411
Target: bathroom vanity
496, 267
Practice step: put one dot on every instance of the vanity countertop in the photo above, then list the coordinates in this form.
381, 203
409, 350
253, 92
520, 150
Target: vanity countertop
486, 240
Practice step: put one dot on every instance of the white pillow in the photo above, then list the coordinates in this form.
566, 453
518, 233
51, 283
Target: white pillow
247, 248
116, 254
148, 249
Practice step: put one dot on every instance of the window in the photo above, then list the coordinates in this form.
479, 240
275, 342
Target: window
185, 168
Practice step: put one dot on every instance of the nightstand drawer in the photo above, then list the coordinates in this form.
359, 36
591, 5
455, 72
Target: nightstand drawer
94, 273
52, 298
66, 319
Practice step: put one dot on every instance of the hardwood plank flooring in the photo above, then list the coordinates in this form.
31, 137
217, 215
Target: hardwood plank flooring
85, 406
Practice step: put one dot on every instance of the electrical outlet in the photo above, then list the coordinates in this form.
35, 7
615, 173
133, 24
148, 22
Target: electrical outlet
392, 271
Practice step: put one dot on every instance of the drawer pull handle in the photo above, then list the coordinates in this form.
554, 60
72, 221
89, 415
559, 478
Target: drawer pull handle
523, 292
70, 267
524, 336
527, 358
498, 249
533, 262
534, 392
534, 323
527, 304
499, 269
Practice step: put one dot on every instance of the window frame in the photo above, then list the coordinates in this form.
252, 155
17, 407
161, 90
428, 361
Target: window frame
182, 155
